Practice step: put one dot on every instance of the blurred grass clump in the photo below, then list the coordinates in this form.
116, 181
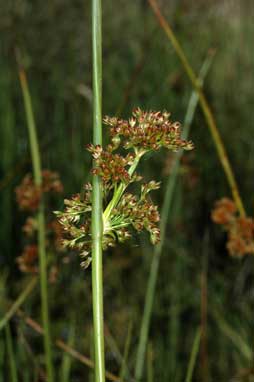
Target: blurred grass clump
198, 285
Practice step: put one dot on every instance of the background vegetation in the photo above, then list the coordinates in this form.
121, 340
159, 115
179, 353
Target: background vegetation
199, 284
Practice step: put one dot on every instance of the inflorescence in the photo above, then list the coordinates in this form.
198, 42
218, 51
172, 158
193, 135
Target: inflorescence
29, 197
240, 230
124, 212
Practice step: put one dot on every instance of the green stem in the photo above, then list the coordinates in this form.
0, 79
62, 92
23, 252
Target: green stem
19, 301
10, 354
36, 161
97, 266
120, 190
154, 268
193, 356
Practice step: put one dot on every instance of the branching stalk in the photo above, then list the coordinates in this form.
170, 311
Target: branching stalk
120, 190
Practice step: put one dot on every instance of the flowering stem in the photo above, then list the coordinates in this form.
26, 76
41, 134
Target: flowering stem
97, 266
36, 161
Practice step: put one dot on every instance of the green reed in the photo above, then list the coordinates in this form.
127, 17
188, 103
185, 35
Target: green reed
97, 266
36, 162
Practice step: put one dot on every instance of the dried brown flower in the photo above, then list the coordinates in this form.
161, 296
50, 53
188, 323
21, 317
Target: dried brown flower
28, 260
240, 230
224, 211
29, 195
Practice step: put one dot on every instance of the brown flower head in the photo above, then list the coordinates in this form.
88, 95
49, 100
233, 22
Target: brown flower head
240, 230
28, 194
112, 168
148, 131
28, 260
224, 211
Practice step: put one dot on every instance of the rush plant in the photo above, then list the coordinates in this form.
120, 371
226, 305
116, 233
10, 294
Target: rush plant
126, 200
128, 206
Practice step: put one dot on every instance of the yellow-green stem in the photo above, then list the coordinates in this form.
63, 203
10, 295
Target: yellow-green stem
205, 107
18, 302
97, 264
193, 356
10, 355
36, 161
120, 190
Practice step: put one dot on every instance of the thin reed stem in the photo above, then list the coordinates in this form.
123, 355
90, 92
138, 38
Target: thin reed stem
232, 334
36, 162
18, 302
193, 356
153, 275
97, 224
10, 355
205, 107
124, 368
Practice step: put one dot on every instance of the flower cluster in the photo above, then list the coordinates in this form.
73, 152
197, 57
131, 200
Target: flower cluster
137, 212
112, 168
28, 197
148, 131
124, 211
28, 194
240, 230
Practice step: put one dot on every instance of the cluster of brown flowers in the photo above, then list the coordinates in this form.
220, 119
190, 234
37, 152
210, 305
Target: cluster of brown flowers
28, 197
149, 130
112, 168
28, 194
240, 230
142, 133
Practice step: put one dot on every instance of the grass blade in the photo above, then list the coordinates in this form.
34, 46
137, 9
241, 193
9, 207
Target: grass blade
232, 334
205, 107
17, 303
150, 291
66, 361
124, 370
36, 161
193, 356
10, 355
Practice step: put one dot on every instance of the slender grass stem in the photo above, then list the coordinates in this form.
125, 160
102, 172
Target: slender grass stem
232, 334
18, 302
97, 266
10, 354
205, 107
153, 275
36, 162
150, 371
124, 368
67, 360
193, 356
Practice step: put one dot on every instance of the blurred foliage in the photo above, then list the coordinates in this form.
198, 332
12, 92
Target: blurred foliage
139, 69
